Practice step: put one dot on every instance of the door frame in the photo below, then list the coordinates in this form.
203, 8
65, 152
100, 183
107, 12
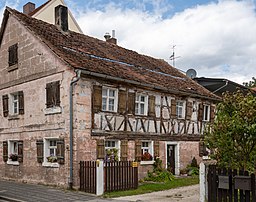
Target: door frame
176, 155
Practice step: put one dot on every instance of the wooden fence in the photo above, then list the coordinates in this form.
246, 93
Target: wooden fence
230, 185
88, 176
121, 175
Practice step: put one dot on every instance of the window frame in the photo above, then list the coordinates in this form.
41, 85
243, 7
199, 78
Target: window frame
139, 102
180, 104
13, 103
46, 152
206, 112
116, 146
53, 94
150, 149
108, 98
11, 150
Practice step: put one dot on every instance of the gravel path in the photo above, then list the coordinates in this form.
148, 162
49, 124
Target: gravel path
188, 193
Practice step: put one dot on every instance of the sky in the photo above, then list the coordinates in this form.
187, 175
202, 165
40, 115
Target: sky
216, 38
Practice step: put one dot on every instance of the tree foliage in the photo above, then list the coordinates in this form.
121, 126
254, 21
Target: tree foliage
250, 84
232, 136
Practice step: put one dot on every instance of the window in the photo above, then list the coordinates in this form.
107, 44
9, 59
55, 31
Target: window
180, 109
16, 104
109, 99
50, 152
13, 151
146, 151
112, 150
206, 113
141, 104
13, 54
53, 94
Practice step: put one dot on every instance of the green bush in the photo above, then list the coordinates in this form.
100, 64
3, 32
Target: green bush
159, 174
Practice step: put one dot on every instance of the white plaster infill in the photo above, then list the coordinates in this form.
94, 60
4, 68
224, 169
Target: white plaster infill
52, 110
15, 163
51, 165
147, 162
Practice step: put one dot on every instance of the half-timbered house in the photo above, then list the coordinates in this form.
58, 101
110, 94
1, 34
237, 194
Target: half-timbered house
68, 97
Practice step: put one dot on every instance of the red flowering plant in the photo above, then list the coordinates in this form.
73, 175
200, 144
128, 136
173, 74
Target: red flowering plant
147, 157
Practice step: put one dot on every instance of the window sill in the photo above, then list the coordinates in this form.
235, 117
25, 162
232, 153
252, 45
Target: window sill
52, 110
51, 165
12, 67
147, 162
15, 163
13, 117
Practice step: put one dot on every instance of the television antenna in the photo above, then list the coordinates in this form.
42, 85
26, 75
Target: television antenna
173, 57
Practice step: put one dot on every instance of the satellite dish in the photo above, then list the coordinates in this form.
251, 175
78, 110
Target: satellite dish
191, 73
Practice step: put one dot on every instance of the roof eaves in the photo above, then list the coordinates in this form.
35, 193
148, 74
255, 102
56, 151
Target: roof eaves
3, 25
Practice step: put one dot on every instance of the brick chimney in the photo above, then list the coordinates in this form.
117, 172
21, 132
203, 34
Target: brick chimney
61, 17
110, 39
28, 8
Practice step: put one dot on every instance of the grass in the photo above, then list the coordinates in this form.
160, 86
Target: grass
152, 187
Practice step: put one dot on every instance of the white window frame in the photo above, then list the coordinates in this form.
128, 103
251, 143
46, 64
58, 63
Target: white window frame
150, 149
108, 98
47, 148
139, 103
14, 103
117, 146
206, 112
180, 105
12, 150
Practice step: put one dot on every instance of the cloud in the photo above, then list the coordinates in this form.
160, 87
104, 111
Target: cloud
217, 39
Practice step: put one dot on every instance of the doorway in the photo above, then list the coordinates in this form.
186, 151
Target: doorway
171, 158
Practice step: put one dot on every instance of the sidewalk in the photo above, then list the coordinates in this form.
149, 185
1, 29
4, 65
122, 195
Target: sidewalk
185, 194
18, 192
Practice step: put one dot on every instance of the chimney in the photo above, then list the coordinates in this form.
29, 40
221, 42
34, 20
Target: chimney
28, 8
110, 39
61, 17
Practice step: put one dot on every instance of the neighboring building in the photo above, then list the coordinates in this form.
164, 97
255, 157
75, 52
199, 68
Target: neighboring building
139, 106
219, 86
46, 12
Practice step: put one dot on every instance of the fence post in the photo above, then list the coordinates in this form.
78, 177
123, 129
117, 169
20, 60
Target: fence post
99, 177
202, 183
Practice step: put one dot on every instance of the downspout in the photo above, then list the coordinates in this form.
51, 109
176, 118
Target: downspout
73, 82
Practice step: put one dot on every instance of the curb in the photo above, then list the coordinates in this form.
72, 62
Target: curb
10, 199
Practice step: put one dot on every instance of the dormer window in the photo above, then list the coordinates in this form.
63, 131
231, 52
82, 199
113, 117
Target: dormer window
13, 55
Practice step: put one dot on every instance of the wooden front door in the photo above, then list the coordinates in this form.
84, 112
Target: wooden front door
171, 158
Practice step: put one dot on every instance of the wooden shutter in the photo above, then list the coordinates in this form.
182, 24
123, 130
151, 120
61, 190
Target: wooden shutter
137, 150
173, 108
57, 93
97, 98
40, 151
122, 101
60, 151
212, 113
189, 110
5, 105
156, 149
5, 151
13, 54
124, 150
131, 103
21, 102
151, 106
20, 151
100, 149
202, 149
49, 100
200, 112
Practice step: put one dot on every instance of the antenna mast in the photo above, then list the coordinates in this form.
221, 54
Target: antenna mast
172, 57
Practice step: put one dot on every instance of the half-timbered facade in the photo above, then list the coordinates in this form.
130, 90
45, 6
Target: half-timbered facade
68, 97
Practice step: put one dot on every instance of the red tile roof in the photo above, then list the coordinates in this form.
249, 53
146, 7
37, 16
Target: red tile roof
97, 56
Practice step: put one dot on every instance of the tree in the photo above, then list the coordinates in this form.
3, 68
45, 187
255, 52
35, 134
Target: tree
250, 84
232, 136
